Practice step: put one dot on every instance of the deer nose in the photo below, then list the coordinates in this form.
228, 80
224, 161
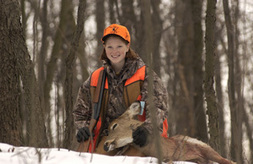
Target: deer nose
109, 145
106, 147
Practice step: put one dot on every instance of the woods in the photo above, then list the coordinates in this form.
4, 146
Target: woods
200, 49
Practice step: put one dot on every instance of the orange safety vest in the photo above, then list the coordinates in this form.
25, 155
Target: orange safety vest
132, 90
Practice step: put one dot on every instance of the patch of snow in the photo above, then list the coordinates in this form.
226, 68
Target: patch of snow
10, 154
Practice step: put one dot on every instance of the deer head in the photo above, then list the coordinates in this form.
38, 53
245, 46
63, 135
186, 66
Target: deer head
120, 130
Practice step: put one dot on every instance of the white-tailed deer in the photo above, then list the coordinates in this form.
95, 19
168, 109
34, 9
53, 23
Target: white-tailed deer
176, 148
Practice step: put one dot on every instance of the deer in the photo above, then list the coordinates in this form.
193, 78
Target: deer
175, 148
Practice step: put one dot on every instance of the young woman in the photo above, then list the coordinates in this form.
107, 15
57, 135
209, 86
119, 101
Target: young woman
126, 82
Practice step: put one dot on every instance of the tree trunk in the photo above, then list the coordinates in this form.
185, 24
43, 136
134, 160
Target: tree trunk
51, 66
170, 46
249, 131
236, 125
220, 104
68, 91
212, 110
200, 115
185, 36
111, 11
10, 108
238, 82
34, 114
100, 21
140, 35
157, 34
148, 49
43, 53
83, 57
24, 17
128, 19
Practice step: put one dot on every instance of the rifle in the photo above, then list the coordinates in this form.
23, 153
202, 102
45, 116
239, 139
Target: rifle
96, 105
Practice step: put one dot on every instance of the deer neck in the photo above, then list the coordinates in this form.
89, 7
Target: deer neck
149, 149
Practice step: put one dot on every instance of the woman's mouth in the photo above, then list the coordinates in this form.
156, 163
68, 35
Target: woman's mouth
115, 56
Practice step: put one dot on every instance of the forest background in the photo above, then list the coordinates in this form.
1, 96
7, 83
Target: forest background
200, 49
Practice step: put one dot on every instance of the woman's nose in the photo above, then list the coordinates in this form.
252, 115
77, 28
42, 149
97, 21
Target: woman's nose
114, 50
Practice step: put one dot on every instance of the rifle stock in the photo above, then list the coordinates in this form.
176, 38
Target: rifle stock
97, 101
84, 146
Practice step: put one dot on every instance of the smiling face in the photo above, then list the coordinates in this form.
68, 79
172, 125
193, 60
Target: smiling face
116, 50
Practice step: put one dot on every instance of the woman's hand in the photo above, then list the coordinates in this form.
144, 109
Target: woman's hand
83, 134
140, 136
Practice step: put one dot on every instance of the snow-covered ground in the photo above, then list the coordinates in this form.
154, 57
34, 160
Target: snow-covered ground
28, 155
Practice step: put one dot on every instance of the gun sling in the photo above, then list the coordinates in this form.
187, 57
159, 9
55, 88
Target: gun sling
96, 105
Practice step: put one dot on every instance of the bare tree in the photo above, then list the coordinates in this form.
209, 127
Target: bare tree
238, 80
148, 51
169, 45
112, 18
218, 90
212, 111
100, 21
10, 108
198, 73
184, 71
55, 55
140, 35
43, 53
128, 18
236, 123
69, 130
157, 33
36, 132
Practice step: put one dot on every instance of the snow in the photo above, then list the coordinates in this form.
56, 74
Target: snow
10, 154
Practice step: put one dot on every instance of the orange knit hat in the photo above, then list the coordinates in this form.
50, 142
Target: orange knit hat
117, 29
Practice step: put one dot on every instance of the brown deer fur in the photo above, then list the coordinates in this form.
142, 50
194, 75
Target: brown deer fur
176, 148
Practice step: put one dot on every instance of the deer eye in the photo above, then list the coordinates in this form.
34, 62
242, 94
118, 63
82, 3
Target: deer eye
114, 126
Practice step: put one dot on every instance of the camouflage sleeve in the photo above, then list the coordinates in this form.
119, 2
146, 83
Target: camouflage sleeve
83, 110
160, 99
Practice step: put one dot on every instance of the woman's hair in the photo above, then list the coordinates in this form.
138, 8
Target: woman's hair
131, 54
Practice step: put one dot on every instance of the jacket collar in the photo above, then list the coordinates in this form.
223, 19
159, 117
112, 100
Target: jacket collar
128, 70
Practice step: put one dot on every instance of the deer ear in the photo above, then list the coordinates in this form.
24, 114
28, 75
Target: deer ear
134, 109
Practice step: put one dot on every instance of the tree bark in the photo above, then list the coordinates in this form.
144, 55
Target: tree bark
212, 110
249, 131
157, 34
55, 54
236, 123
198, 73
42, 54
148, 30
111, 11
238, 83
10, 108
128, 19
68, 91
140, 34
34, 114
220, 103
100, 21
184, 70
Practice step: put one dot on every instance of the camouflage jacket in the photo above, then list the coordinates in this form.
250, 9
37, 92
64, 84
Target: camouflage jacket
116, 106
